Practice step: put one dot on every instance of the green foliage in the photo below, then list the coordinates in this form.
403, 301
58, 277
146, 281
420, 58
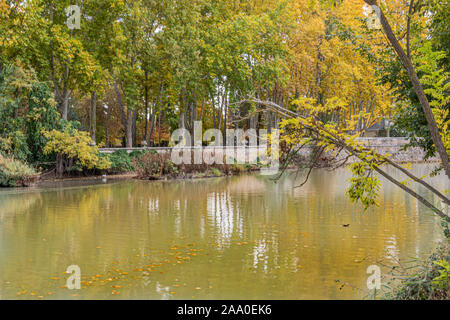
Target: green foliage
15, 84
14, 144
442, 281
426, 280
430, 58
215, 172
121, 162
364, 186
14, 173
26, 108
42, 115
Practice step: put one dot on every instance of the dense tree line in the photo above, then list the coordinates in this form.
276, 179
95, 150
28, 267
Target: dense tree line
135, 70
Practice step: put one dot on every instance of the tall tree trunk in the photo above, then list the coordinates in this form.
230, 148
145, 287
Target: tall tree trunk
127, 120
146, 106
214, 115
418, 89
152, 126
93, 122
159, 129
129, 128
64, 104
107, 128
225, 123
134, 126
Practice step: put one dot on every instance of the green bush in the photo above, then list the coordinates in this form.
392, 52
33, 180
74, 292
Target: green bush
121, 162
26, 108
14, 173
429, 281
138, 153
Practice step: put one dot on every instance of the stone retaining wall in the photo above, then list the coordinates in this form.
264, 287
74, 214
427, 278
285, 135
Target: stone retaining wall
392, 146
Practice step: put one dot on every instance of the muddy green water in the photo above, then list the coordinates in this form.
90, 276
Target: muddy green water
243, 237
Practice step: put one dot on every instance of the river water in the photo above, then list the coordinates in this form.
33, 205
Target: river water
243, 237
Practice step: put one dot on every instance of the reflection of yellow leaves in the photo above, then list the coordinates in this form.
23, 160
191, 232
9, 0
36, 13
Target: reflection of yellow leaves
19, 293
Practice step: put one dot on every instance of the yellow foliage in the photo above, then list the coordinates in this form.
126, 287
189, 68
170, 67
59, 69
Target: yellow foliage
75, 144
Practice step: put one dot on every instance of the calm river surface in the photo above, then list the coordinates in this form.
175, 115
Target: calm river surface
242, 237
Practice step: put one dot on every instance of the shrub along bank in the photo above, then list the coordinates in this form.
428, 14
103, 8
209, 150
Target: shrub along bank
15, 173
